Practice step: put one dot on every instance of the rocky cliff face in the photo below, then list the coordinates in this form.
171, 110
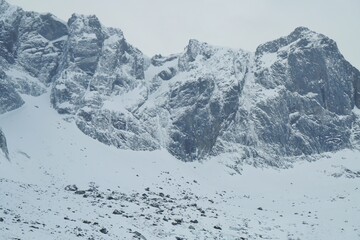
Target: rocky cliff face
298, 99
3, 145
294, 96
30, 50
199, 101
9, 97
98, 68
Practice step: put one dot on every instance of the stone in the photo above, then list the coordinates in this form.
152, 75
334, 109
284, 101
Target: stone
72, 187
104, 231
3, 145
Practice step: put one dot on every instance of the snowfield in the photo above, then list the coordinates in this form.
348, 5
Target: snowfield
62, 184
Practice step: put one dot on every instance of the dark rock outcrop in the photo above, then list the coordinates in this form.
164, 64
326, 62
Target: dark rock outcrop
210, 99
30, 50
32, 40
3, 145
9, 98
303, 96
99, 63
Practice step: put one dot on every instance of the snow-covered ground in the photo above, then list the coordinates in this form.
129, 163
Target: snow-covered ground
151, 195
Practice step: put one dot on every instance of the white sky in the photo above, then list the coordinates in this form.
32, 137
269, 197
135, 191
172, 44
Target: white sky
165, 26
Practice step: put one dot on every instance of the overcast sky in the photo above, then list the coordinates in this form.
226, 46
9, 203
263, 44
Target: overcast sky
165, 26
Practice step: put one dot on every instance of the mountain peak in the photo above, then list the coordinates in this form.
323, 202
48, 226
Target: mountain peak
76, 16
87, 26
304, 34
4, 6
4, 3
7, 10
195, 45
192, 50
302, 29
202, 100
81, 20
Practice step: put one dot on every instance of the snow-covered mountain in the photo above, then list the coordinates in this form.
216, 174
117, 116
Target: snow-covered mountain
61, 184
68, 88
294, 96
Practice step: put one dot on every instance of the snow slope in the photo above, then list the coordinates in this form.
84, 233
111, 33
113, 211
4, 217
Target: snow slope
157, 196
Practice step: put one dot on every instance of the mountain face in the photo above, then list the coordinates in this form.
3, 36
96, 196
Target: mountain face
298, 99
3, 145
294, 96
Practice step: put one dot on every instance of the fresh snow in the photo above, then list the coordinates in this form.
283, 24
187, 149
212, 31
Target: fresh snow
17, 73
128, 100
89, 35
158, 196
112, 40
8, 11
356, 111
269, 59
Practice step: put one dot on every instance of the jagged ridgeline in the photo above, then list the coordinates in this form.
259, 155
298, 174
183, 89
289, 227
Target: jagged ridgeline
293, 96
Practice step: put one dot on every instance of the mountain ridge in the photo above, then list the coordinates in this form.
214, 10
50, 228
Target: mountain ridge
293, 96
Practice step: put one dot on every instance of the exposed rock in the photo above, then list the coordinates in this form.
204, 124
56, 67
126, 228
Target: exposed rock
9, 98
27, 58
177, 222
31, 40
304, 97
167, 74
217, 227
210, 96
71, 188
293, 97
40, 44
138, 235
80, 192
3, 145
159, 60
117, 212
